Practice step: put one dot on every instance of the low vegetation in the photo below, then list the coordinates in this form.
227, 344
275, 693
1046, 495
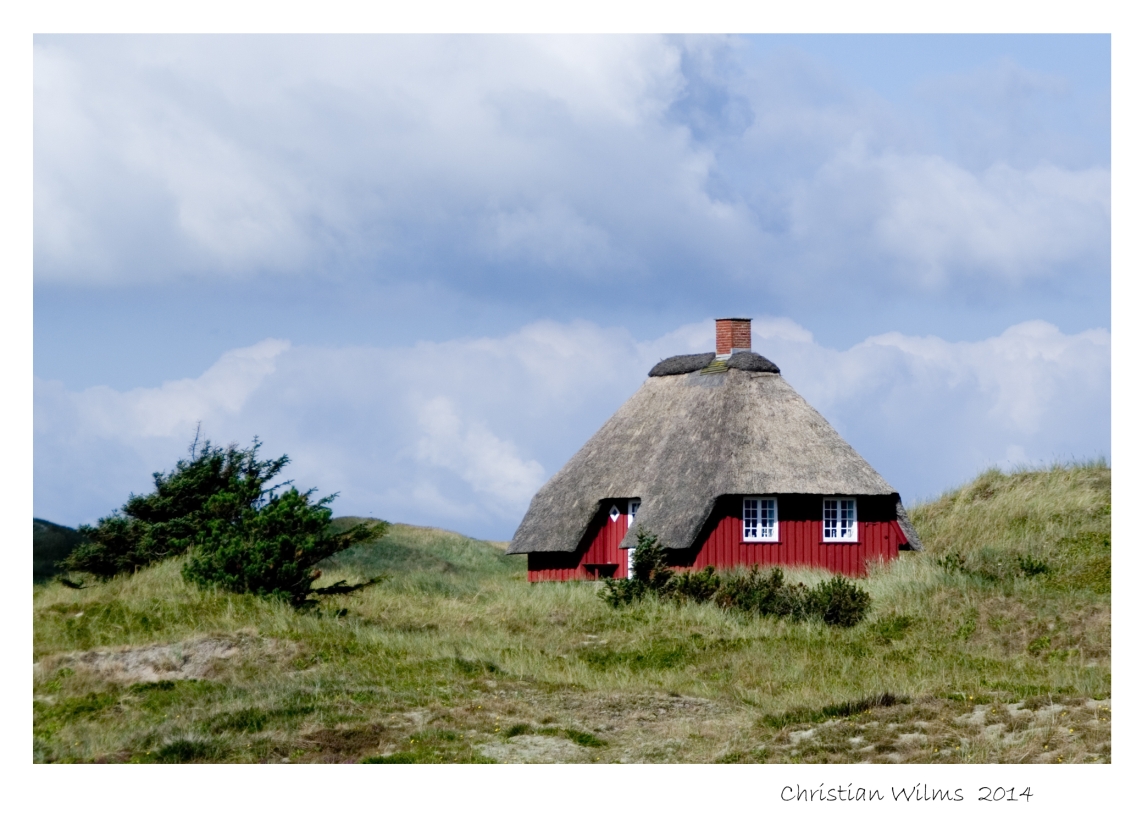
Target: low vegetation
838, 601
991, 646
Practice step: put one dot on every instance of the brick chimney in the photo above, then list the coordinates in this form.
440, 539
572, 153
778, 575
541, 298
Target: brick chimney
730, 336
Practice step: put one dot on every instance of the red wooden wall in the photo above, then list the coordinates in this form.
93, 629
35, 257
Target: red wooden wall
598, 556
720, 543
799, 538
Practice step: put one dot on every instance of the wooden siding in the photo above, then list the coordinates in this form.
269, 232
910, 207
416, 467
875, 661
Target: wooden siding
720, 543
800, 541
598, 555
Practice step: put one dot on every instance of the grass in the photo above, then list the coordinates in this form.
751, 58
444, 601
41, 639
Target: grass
969, 655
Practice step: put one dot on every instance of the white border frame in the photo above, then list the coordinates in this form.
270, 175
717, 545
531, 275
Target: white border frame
856, 522
770, 540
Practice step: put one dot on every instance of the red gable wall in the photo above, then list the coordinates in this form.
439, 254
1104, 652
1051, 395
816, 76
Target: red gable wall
598, 556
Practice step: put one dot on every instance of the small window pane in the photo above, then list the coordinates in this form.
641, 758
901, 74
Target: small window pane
768, 518
750, 518
839, 519
829, 518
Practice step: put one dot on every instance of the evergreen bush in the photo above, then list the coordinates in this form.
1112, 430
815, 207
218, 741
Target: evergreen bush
650, 562
269, 549
165, 523
242, 534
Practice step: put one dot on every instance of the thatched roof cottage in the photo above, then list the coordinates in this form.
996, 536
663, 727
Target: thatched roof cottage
722, 460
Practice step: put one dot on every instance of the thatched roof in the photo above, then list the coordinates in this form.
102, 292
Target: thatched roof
687, 437
907, 527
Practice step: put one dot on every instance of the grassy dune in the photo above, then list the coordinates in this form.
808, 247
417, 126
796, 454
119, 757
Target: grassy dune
991, 646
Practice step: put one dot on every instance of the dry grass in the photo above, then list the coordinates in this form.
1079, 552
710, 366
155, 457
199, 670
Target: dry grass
456, 658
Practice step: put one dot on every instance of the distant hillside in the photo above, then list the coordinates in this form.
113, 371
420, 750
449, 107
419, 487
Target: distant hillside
1052, 526
51, 543
406, 548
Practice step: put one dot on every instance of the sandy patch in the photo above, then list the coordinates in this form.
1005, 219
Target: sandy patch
190, 659
534, 749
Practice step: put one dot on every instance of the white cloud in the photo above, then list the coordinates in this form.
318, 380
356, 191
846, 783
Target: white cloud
176, 406
490, 465
460, 433
268, 153
531, 161
929, 413
935, 222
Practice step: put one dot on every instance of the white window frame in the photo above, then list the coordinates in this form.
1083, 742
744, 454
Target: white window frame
754, 527
834, 527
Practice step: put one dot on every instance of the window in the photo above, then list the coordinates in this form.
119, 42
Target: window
759, 519
632, 509
839, 519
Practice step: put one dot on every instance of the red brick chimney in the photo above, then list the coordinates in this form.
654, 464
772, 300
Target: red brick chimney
730, 336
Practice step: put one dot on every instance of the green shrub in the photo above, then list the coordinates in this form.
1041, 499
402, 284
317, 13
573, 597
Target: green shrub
838, 602
269, 548
246, 536
1032, 566
618, 592
952, 563
699, 586
650, 561
650, 573
166, 522
765, 593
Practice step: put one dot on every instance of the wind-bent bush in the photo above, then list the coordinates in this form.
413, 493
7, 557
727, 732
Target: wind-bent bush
166, 522
271, 548
242, 534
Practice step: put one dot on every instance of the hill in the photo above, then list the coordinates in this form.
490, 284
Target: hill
991, 646
405, 549
51, 543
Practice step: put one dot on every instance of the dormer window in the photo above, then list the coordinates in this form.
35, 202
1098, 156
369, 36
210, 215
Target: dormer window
759, 519
839, 519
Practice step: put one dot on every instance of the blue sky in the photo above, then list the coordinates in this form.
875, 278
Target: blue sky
429, 268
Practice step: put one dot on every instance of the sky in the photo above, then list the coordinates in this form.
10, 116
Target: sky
429, 268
